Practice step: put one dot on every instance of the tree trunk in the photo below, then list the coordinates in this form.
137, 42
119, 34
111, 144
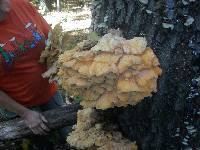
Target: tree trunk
58, 5
15, 129
49, 4
171, 118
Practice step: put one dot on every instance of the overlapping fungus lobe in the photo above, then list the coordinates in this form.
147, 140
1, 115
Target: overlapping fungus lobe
115, 72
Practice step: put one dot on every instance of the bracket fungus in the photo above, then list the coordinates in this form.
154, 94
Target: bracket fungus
89, 133
53, 46
115, 72
111, 72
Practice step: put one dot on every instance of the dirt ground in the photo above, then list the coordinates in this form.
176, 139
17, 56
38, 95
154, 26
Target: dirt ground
72, 20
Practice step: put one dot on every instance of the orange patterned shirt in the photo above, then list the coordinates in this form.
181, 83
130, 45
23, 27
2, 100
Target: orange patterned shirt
22, 39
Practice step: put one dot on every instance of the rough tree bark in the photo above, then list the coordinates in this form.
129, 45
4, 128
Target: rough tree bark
162, 121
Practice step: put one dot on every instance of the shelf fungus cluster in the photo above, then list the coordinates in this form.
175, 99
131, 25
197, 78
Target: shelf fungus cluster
111, 72
89, 134
114, 72
53, 47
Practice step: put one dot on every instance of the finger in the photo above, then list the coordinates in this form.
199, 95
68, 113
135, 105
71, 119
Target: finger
35, 131
44, 127
33, 126
41, 131
43, 118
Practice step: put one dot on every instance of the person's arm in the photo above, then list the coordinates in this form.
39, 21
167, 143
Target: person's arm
34, 120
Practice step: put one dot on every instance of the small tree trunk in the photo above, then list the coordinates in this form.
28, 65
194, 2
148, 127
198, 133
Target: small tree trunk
58, 5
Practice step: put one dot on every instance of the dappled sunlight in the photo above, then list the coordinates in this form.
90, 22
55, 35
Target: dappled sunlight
71, 20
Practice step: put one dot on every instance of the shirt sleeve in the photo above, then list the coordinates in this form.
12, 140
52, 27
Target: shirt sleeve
40, 20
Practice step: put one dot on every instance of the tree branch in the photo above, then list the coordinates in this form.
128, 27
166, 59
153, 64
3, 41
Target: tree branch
63, 116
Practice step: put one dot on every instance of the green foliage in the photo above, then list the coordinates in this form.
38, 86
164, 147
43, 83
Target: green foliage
78, 99
35, 2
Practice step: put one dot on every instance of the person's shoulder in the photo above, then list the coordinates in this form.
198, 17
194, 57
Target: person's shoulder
20, 2
24, 5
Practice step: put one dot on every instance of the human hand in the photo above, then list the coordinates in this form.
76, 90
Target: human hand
36, 122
